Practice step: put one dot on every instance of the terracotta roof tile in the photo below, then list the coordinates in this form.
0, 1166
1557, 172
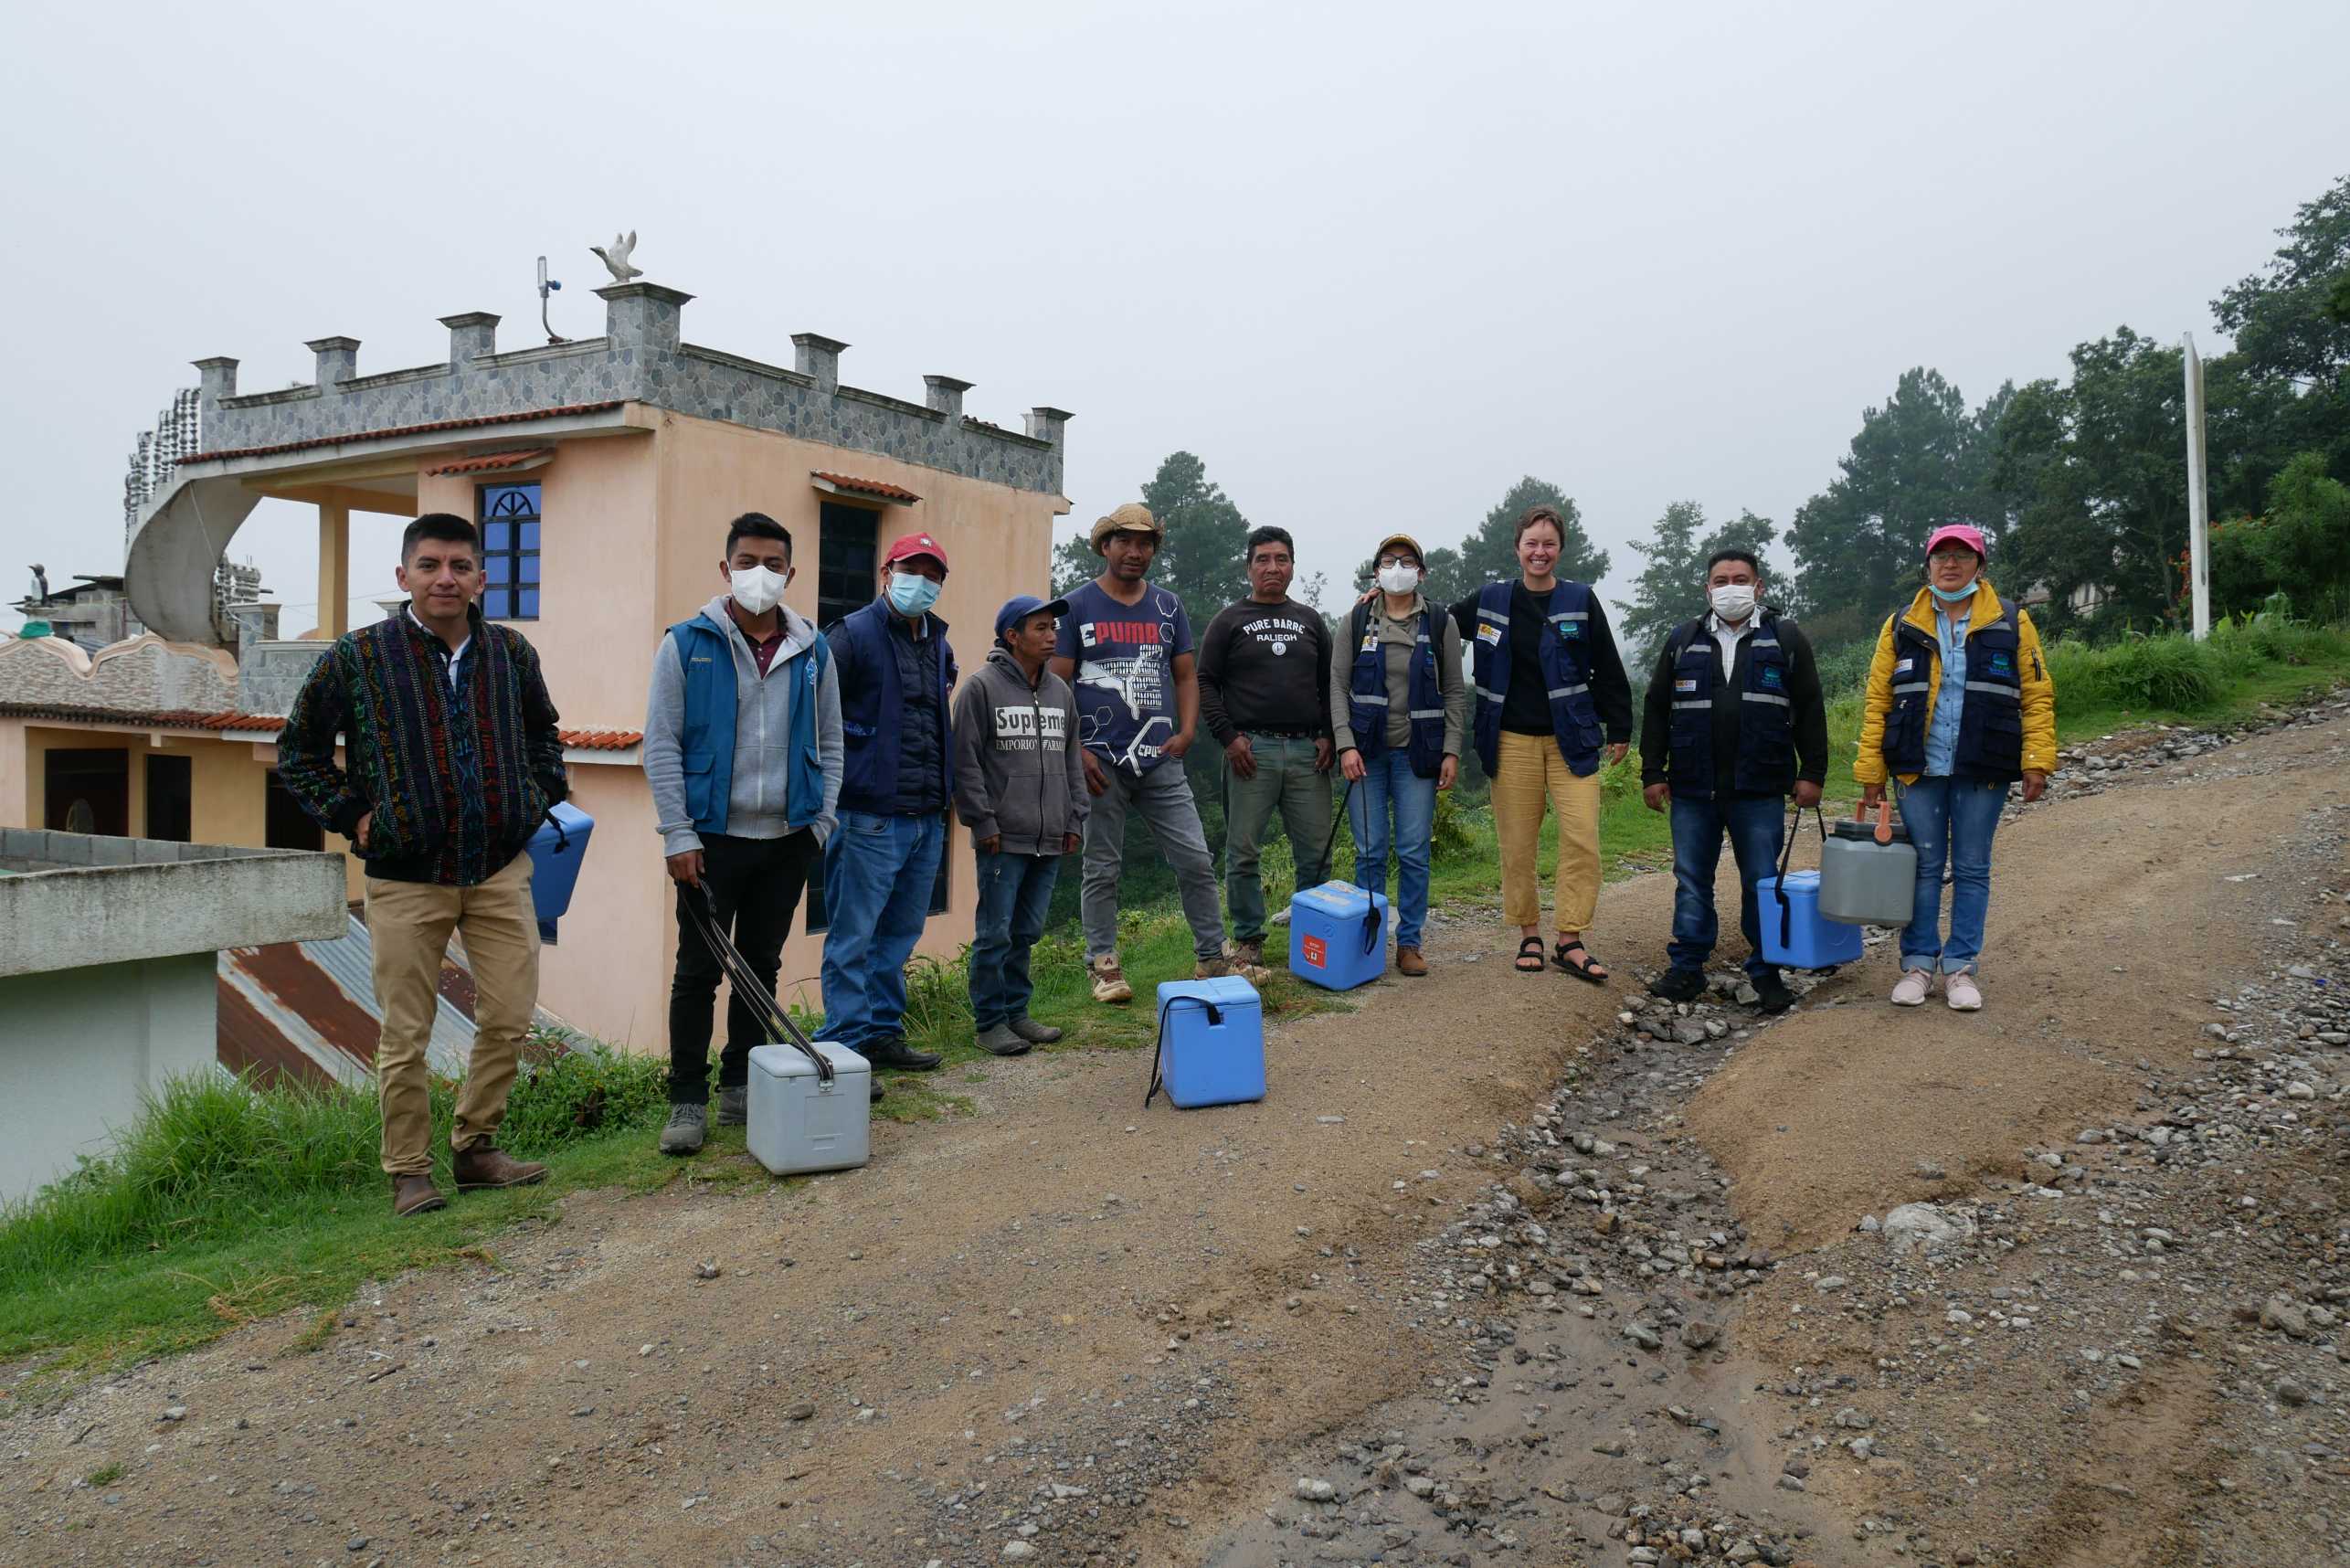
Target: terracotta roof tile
269, 724
493, 461
868, 486
477, 423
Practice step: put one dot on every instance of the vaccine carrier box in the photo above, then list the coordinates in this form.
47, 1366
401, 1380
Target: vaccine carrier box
798, 1122
1864, 882
556, 852
1338, 936
1796, 934
1211, 1041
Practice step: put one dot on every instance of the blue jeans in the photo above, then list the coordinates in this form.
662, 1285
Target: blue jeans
1953, 818
877, 876
1389, 785
1015, 893
1753, 823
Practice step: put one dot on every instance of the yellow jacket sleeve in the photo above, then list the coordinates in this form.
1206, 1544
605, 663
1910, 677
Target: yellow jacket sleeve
2039, 699
1869, 763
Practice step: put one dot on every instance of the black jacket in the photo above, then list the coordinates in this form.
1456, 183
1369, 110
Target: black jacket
1810, 712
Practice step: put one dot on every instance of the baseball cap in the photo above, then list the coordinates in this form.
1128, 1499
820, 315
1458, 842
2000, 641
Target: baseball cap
1133, 517
1405, 540
1021, 606
1960, 533
908, 544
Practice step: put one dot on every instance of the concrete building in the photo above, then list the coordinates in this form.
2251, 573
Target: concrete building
603, 472
113, 942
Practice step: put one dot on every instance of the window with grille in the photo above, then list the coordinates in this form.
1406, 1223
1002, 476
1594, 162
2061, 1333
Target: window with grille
510, 523
848, 548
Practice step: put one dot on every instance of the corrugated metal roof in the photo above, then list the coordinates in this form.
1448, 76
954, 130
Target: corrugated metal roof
319, 997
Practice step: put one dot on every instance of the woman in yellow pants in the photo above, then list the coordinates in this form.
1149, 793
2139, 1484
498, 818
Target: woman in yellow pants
1551, 703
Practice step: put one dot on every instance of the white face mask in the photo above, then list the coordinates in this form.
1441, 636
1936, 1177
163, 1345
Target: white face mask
756, 589
1733, 601
1399, 579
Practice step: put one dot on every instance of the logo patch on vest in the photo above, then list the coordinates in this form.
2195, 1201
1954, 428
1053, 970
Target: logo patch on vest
1370, 641
2002, 663
1904, 666
1572, 630
1689, 686
1487, 632
1772, 676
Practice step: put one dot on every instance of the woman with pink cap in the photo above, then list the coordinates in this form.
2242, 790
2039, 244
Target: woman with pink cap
1959, 707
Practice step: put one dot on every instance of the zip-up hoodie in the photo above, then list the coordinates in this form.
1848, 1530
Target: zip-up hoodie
1018, 771
755, 803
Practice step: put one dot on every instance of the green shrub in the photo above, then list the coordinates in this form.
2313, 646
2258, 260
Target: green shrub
2167, 671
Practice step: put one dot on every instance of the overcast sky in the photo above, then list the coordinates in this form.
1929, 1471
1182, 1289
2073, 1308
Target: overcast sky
1372, 263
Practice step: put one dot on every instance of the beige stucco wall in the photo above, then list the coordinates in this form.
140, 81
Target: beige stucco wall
634, 529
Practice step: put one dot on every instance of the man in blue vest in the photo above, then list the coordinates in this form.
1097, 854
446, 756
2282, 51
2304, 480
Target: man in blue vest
897, 679
1735, 724
743, 751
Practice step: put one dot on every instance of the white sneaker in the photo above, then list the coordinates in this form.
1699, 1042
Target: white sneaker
1914, 987
1109, 980
1962, 993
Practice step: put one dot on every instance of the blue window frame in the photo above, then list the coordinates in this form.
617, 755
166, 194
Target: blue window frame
510, 528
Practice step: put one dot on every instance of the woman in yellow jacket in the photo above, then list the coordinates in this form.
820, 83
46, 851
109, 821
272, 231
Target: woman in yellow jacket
1959, 706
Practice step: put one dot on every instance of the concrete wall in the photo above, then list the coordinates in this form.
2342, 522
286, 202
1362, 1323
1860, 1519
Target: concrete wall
87, 899
154, 1019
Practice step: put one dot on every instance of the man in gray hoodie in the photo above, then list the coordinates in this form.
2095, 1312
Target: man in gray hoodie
1020, 786
743, 751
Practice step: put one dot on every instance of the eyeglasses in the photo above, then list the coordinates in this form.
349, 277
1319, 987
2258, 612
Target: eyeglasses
1387, 561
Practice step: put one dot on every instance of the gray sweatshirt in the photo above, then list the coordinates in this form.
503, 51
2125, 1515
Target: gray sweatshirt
755, 803
1020, 773
1396, 641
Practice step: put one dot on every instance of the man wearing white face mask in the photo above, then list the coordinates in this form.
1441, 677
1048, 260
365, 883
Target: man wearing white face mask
1735, 724
743, 752
897, 680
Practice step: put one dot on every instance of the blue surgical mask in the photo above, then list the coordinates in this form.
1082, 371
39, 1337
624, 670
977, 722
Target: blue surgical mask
1953, 595
911, 594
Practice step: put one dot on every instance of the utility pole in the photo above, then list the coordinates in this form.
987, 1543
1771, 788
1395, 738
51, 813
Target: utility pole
2198, 495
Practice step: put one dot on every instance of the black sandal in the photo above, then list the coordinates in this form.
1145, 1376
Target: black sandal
1590, 970
1531, 948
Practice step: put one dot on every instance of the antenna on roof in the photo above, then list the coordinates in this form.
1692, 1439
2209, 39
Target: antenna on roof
546, 286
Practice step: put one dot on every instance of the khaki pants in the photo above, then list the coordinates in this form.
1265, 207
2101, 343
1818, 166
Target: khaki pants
409, 923
1530, 769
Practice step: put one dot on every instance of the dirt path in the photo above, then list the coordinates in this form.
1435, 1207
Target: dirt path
1071, 1331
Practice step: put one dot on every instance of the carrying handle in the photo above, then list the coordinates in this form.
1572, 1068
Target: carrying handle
695, 899
1159, 1047
1373, 928
1884, 819
1779, 888
1337, 816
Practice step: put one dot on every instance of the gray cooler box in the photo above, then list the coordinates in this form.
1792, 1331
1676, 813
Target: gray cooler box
800, 1123
1864, 882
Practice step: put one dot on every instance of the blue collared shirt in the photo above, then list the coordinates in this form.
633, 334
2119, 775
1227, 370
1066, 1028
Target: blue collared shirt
1941, 739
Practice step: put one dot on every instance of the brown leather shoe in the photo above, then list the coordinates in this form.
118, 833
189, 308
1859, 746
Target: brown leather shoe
485, 1166
415, 1195
1408, 961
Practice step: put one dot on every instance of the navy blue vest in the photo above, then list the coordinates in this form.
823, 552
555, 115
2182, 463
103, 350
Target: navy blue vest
1566, 674
1766, 763
1366, 710
1991, 724
869, 702
706, 734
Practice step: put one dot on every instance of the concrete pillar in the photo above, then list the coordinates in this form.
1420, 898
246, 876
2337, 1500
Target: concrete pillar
643, 316
815, 354
1049, 424
220, 381
946, 394
474, 333
334, 568
338, 360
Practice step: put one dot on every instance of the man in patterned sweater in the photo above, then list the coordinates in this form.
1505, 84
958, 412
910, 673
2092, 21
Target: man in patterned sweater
452, 760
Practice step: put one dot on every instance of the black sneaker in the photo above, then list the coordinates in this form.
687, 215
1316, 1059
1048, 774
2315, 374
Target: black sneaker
1680, 985
1771, 995
898, 1056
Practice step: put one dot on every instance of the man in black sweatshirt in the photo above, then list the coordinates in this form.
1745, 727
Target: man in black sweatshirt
1264, 668
1735, 724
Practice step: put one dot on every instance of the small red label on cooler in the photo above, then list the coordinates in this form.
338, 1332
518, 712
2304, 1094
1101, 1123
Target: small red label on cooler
1317, 952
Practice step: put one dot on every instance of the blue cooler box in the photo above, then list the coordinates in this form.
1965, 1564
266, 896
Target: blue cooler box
1211, 1061
1338, 936
556, 852
1813, 941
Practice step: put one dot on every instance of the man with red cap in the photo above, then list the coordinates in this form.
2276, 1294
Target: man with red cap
896, 677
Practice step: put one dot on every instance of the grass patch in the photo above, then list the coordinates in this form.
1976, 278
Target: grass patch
104, 1475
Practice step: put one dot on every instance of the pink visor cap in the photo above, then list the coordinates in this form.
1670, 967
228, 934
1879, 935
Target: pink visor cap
1958, 533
